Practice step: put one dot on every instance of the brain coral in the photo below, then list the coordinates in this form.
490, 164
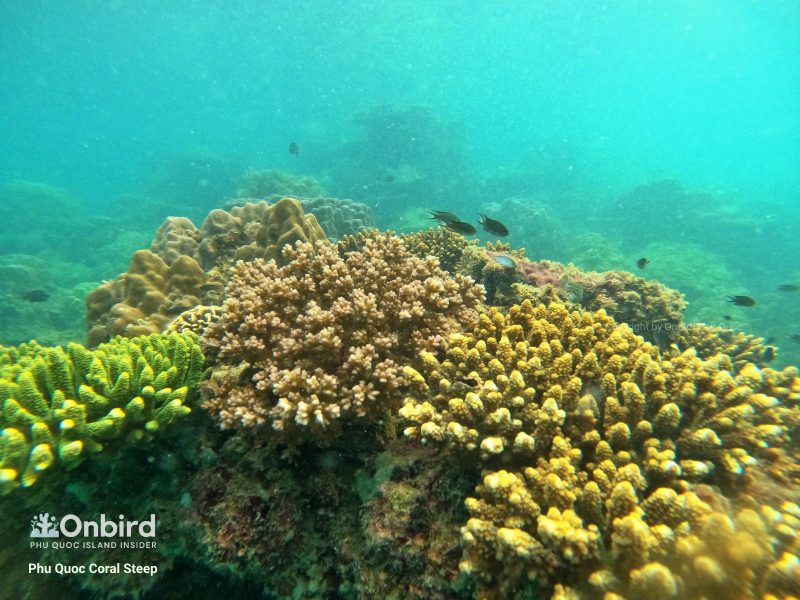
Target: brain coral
318, 340
595, 448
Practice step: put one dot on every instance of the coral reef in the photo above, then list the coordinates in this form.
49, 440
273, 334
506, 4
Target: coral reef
594, 448
339, 217
260, 183
653, 310
197, 178
702, 275
345, 521
185, 267
403, 154
59, 318
31, 212
532, 226
708, 341
60, 406
440, 242
317, 341
336, 216
132, 479
593, 251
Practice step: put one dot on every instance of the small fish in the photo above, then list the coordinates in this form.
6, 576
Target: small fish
294, 148
445, 217
642, 263
727, 317
574, 292
389, 178
788, 287
492, 226
212, 286
795, 337
35, 296
461, 227
505, 261
769, 340
769, 354
742, 300
470, 381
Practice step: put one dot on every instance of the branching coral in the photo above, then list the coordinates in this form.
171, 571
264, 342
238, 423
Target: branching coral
60, 406
318, 340
708, 341
594, 444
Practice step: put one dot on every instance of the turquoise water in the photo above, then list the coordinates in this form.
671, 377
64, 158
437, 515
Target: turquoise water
570, 104
599, 132
564, 103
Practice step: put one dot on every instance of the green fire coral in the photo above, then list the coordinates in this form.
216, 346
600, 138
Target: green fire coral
61, 405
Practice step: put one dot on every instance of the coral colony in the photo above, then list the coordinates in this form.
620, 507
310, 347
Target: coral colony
404, 416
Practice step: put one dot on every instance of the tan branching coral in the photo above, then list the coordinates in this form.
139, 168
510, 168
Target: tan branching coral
594, 444
306, 345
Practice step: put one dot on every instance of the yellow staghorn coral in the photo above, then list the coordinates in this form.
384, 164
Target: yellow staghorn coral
600, 442
58, 406
320, 339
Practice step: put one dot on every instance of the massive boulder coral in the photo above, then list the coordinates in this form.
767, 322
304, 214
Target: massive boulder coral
440, 242
260, 183
596, 449
186, 266
307, 345
337, 216
59, 406
145, 299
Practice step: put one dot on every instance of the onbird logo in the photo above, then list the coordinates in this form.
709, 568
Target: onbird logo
44, 526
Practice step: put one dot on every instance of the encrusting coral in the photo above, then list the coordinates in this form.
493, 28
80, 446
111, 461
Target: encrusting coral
595, 449
58, 406
319, 340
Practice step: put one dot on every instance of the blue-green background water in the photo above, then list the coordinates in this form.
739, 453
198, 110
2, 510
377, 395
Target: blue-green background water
143, 109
